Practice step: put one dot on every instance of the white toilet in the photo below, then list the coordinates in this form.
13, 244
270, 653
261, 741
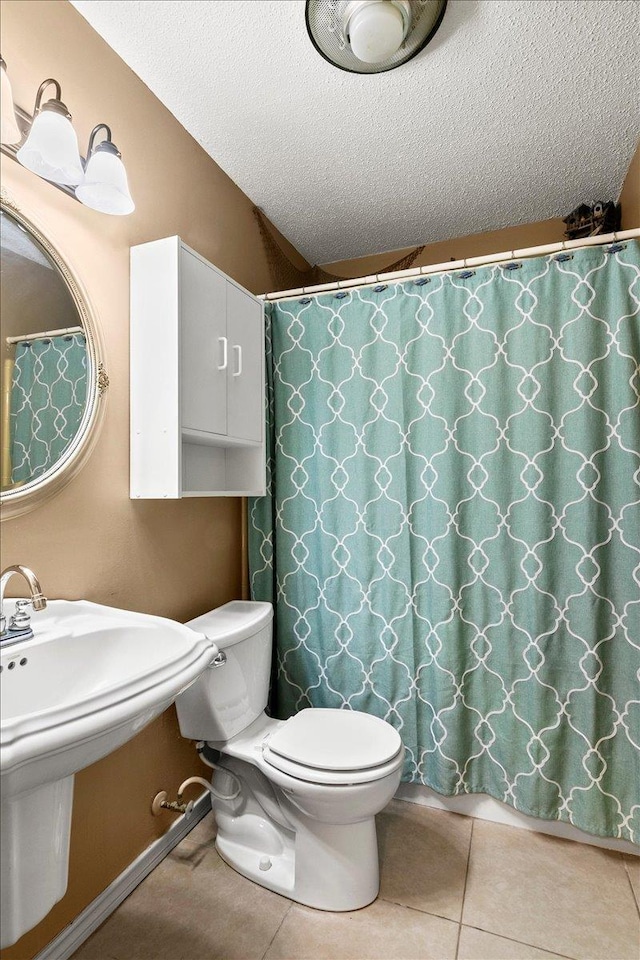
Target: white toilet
297, 798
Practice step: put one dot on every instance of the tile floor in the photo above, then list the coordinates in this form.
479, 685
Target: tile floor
451, 887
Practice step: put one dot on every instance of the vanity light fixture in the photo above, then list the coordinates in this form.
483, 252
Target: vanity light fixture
9, 130
104, 186
51, 148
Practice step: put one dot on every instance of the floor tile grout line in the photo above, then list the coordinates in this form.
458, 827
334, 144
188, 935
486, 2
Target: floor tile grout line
407, 906
522, 943
284, 917
464, 889
207, 846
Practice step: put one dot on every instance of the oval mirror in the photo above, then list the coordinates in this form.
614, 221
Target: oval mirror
52, 379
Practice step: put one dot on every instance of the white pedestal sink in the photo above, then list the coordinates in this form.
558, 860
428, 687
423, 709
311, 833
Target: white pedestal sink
88, 681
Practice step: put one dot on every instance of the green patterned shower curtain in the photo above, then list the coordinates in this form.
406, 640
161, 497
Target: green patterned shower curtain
48, 393
452, 540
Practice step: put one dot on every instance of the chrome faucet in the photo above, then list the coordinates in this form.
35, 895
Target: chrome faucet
20, 621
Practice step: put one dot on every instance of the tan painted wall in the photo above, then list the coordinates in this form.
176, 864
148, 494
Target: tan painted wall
494, 241
630, 194
475, 245
176, 559
26, 286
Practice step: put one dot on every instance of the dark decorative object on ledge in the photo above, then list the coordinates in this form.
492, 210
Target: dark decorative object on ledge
589, 219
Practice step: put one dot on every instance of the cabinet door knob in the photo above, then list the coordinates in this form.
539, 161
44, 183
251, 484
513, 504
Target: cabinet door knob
223, 364
237, 349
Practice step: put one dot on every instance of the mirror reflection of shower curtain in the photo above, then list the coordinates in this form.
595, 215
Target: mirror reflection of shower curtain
48, 392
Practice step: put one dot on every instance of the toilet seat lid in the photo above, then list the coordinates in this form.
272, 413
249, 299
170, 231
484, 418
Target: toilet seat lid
339, 740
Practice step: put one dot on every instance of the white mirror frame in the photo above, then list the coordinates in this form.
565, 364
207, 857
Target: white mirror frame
15, 502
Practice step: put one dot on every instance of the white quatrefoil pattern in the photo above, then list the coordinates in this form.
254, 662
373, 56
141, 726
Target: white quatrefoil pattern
48, 394
453, 537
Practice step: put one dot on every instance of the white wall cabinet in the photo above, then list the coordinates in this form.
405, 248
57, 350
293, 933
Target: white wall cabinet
197, 378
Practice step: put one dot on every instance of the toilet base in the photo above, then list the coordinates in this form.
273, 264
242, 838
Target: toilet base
246, 861
328, 867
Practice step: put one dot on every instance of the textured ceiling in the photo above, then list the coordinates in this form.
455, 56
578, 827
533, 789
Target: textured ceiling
517, 111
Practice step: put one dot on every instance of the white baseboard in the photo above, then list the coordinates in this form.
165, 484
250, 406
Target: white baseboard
483, 807
74, 935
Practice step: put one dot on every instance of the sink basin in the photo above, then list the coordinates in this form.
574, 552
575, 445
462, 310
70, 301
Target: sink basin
93, 677
88, 681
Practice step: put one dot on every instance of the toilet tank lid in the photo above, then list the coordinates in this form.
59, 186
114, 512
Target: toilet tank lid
233, 622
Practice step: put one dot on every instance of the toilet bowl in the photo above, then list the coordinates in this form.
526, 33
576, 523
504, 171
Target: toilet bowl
300, 819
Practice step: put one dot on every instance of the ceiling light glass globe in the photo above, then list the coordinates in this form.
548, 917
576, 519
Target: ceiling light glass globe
376, 32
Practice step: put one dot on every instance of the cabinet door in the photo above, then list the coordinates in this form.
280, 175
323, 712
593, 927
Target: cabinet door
245, 396
204, 349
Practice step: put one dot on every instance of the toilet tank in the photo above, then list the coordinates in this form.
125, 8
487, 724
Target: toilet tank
225, 699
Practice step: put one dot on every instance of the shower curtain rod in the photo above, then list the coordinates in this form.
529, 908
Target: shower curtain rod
46, 334
598, 240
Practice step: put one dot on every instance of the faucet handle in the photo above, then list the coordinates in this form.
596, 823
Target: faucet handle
38, 599
21, 618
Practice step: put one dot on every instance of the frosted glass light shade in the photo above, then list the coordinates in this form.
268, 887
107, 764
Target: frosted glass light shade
104, 186
9, 129
376, 32
51, 149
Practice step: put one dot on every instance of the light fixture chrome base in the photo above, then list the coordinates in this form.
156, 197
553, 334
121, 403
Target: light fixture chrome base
328, 21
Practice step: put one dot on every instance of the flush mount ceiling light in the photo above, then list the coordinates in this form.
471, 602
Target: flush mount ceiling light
372, 36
